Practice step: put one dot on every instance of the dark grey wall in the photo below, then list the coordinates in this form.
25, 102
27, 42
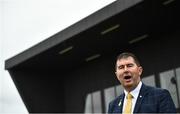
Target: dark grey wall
41, 90
95, 75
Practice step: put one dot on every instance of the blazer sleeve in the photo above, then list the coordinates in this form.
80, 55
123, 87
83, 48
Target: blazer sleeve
166, 103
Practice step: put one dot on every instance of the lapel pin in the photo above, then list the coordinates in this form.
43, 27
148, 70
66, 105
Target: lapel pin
140, 96
119, 103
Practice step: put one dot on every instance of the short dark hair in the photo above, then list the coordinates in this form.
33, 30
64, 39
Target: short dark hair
126, 55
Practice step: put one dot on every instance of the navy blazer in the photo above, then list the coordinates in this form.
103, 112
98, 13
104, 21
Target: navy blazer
150, 100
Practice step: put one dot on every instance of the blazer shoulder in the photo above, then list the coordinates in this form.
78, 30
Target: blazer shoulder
154, 92
165, 101
157, 99
157, 90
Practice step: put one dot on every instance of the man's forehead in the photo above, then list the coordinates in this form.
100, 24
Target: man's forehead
125, 60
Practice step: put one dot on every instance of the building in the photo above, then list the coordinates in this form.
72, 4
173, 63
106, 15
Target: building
73, 70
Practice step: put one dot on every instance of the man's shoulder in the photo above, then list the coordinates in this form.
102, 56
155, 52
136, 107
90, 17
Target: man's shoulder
160, 96
155, 90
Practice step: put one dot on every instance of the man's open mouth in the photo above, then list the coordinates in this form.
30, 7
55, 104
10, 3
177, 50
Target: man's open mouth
127, 77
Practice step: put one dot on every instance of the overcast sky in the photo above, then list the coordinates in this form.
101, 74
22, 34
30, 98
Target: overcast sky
24, 23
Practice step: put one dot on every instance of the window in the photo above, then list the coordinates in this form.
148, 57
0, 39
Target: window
167, 81
149, 80
93, 103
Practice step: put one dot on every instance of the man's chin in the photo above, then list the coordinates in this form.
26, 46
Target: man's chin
128, 85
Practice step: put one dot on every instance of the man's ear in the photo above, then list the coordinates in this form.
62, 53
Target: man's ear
116, 75
140, 70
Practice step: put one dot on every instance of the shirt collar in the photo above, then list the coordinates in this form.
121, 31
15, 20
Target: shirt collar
134, 92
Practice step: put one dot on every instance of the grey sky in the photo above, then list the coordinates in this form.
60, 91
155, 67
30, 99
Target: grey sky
24, 23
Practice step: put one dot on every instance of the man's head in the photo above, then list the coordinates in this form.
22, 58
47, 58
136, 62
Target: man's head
128, 70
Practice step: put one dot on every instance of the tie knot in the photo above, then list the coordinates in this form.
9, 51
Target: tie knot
129, 96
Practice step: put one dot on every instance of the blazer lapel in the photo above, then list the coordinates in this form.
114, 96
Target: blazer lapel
140, 98
119, 104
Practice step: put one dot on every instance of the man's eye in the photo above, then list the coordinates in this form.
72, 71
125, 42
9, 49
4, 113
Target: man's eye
120, 67
130, 65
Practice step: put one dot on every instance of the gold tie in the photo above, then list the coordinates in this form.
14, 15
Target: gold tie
128, 106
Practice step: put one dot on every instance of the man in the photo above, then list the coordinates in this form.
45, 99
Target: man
138, 97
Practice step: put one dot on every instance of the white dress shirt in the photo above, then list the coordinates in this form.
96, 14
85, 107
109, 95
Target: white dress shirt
135, 94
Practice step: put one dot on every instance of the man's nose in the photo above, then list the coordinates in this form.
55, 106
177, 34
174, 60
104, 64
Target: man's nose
125, 68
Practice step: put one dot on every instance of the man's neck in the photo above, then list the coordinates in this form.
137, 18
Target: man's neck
132, 88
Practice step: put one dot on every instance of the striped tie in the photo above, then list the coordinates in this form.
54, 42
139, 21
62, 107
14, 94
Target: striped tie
128, 106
